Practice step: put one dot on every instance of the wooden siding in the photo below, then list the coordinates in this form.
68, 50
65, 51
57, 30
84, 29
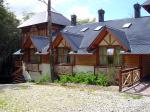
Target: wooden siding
131, 60
40, 30
146, 65
85, 60
45, 59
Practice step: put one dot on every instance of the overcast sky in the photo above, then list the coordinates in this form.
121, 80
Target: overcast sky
115, 9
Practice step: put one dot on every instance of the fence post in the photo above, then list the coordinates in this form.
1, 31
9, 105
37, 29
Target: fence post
120, 81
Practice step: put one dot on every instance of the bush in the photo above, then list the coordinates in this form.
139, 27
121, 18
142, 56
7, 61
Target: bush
64, 79
44, 79
102, 80
111, 75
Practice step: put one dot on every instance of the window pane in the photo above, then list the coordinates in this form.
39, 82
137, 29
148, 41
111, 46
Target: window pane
103, 55
63, 56
117, 57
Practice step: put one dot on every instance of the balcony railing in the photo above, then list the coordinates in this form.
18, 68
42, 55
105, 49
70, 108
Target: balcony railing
129, 77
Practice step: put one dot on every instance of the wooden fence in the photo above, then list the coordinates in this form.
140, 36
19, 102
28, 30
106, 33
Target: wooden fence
128, 77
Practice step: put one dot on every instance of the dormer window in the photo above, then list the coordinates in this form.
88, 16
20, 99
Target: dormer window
98, 28
127, 25
84, 29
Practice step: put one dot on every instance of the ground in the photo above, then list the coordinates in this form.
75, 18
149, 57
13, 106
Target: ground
56, 98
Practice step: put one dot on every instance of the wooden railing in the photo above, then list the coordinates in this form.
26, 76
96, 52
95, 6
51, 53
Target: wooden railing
128, 77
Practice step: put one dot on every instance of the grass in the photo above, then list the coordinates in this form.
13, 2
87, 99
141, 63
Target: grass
45, 79
24, 87
135, 97
3, 103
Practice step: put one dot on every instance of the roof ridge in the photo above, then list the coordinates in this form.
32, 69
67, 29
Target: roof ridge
73, 33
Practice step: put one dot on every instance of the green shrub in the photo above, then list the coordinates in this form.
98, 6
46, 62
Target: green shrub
64, 79
102, 80
44, 79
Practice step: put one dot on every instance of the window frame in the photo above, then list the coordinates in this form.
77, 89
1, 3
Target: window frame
107, 56
64, 55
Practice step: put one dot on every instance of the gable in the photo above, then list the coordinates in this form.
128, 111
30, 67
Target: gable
60, 42
63, 43
110, 36
108, 40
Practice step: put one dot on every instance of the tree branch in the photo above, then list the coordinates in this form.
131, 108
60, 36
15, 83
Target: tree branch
43, 2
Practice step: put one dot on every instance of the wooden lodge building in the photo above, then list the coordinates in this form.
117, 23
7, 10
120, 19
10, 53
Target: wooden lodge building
124, 44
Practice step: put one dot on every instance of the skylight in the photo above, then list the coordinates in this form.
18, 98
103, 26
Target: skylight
127, 25
98, 28
84, 29
65, 30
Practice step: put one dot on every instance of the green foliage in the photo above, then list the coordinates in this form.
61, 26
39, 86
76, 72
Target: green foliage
27, 15
44, 79
9, 39
2, 103
84, 21
64, 79
102, 80
84, 78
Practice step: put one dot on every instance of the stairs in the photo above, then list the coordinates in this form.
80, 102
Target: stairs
17, 76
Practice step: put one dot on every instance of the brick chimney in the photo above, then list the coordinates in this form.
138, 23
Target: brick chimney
73, 20
137, 10
101, 13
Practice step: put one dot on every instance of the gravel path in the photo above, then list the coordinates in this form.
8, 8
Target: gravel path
51, 98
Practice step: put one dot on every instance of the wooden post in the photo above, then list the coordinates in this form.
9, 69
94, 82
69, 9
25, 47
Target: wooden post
50, 41
120, 81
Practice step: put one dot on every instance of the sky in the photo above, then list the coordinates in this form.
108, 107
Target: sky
114, 9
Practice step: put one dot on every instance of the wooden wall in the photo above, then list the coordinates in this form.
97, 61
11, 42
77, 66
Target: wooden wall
131, 60
40, 30
146, 65
85, 60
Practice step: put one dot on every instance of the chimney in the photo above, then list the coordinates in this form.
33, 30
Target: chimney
73, 20
137, 10
101, 13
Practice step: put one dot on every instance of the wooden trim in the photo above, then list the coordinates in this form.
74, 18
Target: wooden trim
101, 37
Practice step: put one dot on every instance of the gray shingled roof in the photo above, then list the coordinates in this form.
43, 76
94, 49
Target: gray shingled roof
42, 43
120, 35
136, 37
146, 5
73, 39
41, 17
138, 34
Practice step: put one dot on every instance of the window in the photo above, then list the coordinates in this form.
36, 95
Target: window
63, 56
110, 56
98, 28
33, 58
127, 25
84, 29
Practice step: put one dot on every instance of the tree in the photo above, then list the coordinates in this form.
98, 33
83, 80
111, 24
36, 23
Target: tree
27, 15
49, 30
84, 21
9, 39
